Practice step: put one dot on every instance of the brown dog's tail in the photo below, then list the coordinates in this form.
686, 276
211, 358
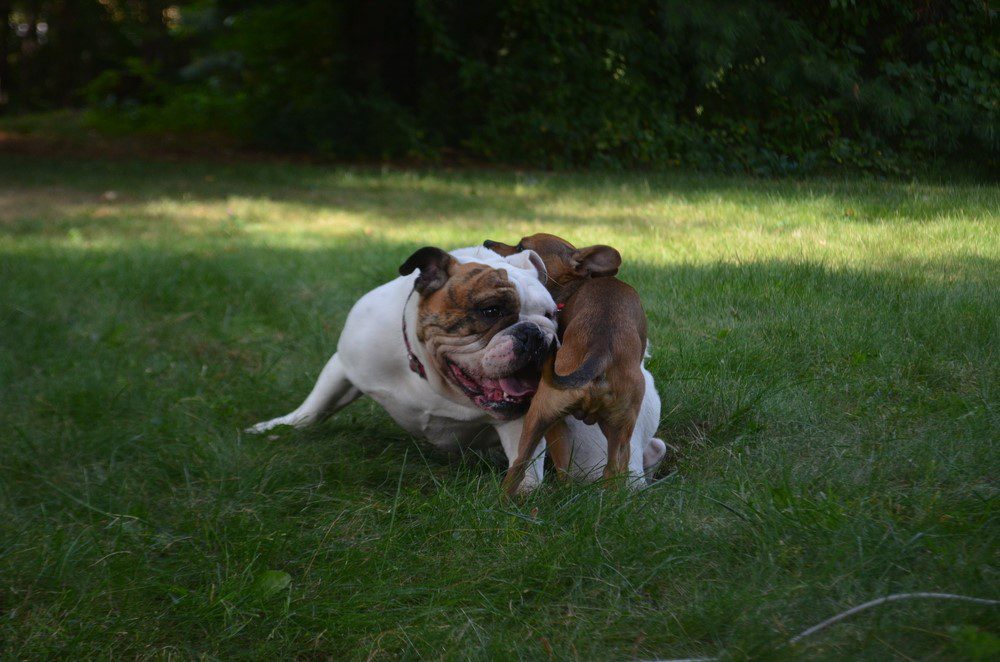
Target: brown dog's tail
592, 366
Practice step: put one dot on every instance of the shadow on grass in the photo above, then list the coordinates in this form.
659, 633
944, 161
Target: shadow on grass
63, 189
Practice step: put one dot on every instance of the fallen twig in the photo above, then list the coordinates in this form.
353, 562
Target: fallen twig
881, 601
854, 610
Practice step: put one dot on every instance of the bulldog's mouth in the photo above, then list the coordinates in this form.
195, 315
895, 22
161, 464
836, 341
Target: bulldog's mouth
503, 396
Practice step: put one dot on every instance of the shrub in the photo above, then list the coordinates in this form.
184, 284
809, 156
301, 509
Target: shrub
769, 87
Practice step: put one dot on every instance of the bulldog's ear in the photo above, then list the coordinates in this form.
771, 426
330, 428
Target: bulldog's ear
434, 265
596, 261
528, 259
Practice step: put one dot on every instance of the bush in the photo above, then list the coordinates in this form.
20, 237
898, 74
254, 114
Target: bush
768, 87
764, 87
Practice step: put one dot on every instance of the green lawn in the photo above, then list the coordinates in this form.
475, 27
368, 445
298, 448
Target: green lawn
826, 352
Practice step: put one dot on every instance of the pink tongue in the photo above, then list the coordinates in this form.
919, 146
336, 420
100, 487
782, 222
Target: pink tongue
516, 387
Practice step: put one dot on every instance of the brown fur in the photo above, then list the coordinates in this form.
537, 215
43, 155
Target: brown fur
452, 293
450, 310
596, 375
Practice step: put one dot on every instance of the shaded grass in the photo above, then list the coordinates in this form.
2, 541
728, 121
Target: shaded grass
825, 351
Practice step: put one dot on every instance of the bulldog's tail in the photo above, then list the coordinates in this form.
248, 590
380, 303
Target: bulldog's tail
593, 365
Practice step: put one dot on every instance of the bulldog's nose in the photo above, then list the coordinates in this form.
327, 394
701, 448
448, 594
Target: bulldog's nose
530, 338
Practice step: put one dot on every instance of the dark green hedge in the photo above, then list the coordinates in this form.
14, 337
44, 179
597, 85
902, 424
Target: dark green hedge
766, 86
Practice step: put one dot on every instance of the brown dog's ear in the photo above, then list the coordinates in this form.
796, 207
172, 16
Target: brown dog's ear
500, 248
434, 265
596, 261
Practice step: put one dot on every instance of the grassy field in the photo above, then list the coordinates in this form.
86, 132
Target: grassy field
826, 352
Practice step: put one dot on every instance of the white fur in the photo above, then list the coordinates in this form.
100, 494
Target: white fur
371, 360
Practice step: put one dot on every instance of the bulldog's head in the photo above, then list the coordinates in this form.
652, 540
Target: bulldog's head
486, 322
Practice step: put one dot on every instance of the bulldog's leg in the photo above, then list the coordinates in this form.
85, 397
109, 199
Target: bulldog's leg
588, 449
655, 451
652, 449
510, 437
332, 392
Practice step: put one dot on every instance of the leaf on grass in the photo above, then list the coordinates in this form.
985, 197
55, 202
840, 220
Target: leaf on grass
269, 583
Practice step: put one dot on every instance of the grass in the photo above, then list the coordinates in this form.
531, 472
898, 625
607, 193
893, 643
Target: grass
826, 351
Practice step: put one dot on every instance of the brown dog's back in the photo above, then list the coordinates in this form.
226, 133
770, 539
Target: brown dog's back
602, 324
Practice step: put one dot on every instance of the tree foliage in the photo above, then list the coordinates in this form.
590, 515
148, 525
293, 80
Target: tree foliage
772, 86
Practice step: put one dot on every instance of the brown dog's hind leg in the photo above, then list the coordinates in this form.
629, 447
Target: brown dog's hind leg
557, 446
619, 435
547, 407
531, 435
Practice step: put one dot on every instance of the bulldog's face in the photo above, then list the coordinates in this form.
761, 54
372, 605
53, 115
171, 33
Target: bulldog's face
486, 322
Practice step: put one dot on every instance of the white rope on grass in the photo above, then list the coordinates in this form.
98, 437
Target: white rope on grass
881, 601
854, 610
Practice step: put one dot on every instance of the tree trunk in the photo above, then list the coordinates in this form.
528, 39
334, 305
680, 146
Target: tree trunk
4, 50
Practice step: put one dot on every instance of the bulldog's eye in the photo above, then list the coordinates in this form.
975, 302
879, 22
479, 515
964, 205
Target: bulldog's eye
493, 312
519, 247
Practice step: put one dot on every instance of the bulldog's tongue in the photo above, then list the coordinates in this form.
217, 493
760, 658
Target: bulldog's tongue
516, 386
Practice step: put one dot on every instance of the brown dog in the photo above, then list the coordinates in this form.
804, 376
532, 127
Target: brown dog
596, 374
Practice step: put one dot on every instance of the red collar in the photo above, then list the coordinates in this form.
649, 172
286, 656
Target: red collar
415, 364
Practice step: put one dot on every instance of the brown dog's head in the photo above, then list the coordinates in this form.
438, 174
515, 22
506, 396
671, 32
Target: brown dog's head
487, 323
564, 262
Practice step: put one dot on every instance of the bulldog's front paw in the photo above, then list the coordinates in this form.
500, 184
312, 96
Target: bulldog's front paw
528, 485
294, 419
654, 454
264, 426
519, 483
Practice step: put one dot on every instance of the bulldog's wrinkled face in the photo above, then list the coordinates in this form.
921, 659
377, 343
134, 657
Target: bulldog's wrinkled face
487, 323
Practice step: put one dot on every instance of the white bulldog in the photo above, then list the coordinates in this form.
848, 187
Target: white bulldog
454, 355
